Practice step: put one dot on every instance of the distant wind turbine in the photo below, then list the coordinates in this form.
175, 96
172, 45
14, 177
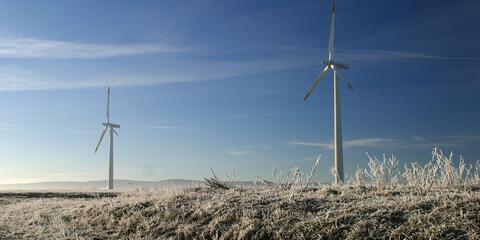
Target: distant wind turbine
112, 127
334, 66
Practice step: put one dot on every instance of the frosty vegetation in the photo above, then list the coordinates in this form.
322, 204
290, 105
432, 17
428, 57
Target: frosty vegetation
436, 200
439, 172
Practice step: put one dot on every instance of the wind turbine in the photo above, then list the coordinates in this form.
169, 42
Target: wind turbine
334, 66
108, 126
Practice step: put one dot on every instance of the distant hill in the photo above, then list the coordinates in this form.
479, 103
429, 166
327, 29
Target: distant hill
99, 185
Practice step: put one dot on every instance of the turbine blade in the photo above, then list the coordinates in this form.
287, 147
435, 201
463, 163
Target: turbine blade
107, 117
101, 138
116, 133
314, 85
332, 33
342, 79
349, 86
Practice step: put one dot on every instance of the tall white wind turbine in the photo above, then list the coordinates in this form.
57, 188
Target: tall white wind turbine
108, 126
334, 66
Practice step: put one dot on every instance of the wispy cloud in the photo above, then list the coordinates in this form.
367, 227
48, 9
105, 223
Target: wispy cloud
4, 126
312, 144
246, 151
20, 177
362, 142
7, 126
152, 126
373, 54
190, 64
223, 117
465, 138
20, 77
379, 54
240, 152
371, 142
40, 48
174, 124
413, 142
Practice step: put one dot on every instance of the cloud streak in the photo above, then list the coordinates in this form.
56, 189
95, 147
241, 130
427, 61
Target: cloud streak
21, 78
224, 117
413, 142
247, 151
39, 48
4, 126
188, 64
359, 54
240, 152
361, 142
153, 126
43, 48
379, 54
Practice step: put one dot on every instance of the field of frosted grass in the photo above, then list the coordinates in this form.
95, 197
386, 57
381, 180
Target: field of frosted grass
438, 200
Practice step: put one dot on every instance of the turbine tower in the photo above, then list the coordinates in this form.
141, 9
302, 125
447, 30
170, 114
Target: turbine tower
108, 126
335, 67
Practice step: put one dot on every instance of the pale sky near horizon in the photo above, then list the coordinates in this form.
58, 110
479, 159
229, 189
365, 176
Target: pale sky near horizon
220, 84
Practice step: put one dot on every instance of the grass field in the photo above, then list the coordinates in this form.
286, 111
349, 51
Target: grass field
438, 200
244, 213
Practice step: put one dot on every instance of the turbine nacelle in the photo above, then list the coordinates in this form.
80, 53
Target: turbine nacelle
329, 66
112, 125
332, 64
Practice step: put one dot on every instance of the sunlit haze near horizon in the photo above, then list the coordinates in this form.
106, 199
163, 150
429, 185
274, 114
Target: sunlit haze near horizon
220, 84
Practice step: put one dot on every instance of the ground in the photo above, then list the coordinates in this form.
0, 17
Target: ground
324, 212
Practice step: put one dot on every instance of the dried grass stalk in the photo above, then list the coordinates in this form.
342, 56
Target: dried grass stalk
215, 183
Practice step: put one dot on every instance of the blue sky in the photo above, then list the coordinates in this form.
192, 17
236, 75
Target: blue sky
200, 84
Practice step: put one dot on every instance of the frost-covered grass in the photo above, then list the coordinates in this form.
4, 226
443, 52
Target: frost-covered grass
438, 200
440, 172
249, 213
